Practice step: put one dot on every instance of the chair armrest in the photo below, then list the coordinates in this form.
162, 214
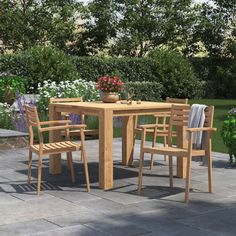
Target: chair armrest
209, 129
55, 122
148, 126
61, 127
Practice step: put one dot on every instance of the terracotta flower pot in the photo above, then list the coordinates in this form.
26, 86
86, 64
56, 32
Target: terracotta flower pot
109, 97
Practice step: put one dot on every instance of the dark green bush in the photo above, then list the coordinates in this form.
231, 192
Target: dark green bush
9, 85
175, 73
133, 69
129, 69
145, 91
39, 64
90, 68
228, 134
219, 74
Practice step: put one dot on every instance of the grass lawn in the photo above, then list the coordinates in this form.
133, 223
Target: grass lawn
222, 106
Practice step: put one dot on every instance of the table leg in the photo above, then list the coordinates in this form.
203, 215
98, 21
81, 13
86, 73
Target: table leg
54, 136
127, 140
105, 149
181, 143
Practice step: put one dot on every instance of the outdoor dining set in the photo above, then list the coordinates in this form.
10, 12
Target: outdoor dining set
191, 126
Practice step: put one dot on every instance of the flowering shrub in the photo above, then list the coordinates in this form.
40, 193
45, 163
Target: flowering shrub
110, 84
228, 134
69, 89
5, 116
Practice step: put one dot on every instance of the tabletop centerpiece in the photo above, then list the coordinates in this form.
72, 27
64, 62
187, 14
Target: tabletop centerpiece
110, 87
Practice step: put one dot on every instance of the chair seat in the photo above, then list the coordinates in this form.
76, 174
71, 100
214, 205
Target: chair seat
77, 132
57, 147
173, 151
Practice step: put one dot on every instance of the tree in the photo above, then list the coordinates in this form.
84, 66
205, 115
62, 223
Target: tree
216, 28
24, 23
134, 27
99, 26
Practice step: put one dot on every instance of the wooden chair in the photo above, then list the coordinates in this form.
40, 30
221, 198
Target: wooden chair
66, 116
43, 149
160, 118
179, 117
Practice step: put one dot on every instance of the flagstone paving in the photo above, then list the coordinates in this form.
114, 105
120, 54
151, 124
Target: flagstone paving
67, 209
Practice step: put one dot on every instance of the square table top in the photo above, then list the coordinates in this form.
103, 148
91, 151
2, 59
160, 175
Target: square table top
114, 106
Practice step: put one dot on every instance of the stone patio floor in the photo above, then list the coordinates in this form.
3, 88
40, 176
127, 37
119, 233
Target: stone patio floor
67, 209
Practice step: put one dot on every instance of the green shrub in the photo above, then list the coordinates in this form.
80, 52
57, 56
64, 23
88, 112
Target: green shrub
9, 85
69, 89
39, 64
128, 69
90, 68
133, 69
228, 134
175, 73
145, 91
219, 74
6, 116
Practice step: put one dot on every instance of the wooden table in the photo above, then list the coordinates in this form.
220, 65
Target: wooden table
105, 112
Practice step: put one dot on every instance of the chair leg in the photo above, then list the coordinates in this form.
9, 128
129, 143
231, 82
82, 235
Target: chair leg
81, 156
39, 173
29, 167
171, 171
71, 167
187, 187
165, 143
86, 170
140, 177
209, 171
68, 163
153, 145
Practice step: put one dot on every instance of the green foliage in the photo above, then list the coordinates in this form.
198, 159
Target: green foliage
175, 73
145, 91
66, 89
9, 85
216, 27
128, 69
39, 64
219, 74
5, 116
90, 68
228, 134
27, 23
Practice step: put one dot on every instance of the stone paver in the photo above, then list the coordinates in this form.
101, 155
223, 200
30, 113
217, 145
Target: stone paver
67, 209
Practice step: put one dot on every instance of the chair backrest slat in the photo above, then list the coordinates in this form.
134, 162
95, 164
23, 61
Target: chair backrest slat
179, 115
32, 116
58, 100
209, 115
177, 100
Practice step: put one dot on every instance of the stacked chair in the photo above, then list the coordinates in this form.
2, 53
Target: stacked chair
44, 149
179, 117
161, 119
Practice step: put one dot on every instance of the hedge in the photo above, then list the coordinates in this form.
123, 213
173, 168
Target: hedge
178, 77
146, 91
129, 69
219, 75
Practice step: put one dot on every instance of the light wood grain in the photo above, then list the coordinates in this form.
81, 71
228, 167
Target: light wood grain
105, 149
184, 150
105, 112
43, 149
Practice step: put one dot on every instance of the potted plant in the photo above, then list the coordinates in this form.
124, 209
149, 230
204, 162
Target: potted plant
9, 84
228, 134
110, 87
